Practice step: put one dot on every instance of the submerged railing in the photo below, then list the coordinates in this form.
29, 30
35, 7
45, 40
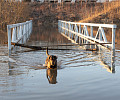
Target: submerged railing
78, 33
18, 33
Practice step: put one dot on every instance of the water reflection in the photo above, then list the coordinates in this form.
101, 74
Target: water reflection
11, 70
51, 75
46, 35
109, 65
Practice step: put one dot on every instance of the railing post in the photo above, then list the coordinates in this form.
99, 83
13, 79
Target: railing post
76, 30
80, 29
24, 33
14, 35
100, 34
113, 38
20, 33
71, 30
58, 26
9, 40
65, 28
91, 36
31, 26
27, 30
91, 31
80, 33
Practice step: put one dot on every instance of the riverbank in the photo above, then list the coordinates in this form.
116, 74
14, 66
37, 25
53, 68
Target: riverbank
49, 13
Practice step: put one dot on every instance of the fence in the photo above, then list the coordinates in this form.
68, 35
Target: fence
78, 33
18, 33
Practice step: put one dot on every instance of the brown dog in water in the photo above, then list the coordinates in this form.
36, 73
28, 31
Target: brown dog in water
51, 60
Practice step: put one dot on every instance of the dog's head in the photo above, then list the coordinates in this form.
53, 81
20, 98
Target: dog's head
52, 61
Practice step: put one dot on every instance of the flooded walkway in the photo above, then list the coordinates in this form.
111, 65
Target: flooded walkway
80, 74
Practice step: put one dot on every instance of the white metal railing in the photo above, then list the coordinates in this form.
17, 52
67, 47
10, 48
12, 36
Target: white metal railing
18, 33
75, 30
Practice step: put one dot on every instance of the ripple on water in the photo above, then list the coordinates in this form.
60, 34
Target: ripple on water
82, 77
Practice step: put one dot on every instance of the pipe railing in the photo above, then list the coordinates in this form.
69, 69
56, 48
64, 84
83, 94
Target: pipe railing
18, 33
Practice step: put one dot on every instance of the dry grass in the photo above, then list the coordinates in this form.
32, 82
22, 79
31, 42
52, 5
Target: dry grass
110, 8
13, 12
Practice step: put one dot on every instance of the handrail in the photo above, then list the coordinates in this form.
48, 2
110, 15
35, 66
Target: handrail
19, 32
92, 24
74, 31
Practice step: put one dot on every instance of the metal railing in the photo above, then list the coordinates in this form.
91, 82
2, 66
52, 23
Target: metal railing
18, 33
78, 33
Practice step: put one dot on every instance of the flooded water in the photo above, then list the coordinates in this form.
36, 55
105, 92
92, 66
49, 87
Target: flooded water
81, 75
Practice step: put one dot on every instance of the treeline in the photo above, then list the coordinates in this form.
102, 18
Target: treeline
13, 12
84, 12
